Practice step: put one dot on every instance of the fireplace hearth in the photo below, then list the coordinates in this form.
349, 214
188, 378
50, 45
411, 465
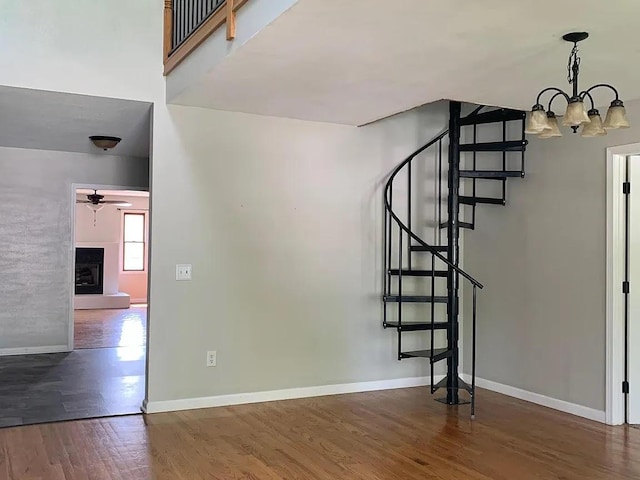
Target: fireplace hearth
89, 270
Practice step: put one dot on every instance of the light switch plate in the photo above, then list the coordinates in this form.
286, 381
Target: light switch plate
183, 271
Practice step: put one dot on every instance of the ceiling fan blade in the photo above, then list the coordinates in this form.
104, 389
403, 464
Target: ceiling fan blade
116, 203
83, 201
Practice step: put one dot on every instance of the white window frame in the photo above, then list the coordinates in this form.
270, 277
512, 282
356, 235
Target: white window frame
145, 242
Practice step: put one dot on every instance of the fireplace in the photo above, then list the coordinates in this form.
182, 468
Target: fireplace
89, 270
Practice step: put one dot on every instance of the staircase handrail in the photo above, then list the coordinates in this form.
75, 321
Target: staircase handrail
406, 229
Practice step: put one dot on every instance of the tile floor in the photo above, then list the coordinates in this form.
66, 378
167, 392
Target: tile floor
86, 383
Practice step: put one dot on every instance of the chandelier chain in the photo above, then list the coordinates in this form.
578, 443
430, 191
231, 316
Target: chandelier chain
574, 60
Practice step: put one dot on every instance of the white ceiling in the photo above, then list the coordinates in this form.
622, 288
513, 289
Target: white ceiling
45, 120
358, 61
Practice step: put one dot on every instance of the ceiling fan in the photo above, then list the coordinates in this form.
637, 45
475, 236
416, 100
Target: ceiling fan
96, 202
95, 199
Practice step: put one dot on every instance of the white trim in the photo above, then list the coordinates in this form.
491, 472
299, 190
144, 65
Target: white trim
34, 350
561, 405
614, 370
138, 300
287, 394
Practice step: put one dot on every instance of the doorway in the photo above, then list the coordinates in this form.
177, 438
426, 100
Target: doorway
110, 294
45, 156
623, 285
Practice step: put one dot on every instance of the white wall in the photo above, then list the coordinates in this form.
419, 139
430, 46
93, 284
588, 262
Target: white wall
36, 239
94, 47
280, 219
542, 258
108, 229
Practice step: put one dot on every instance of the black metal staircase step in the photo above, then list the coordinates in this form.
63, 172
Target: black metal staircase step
493, 116
415, 299
418, 273
467, 225
422, 248
508, 146
415, 326
491, 174
435, 355
477, 200
462, 385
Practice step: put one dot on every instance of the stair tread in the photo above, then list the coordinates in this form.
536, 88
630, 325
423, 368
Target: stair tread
491, 174
493, 116
412, 326
507, 146
415, 298
418, 273
425, 353
466, 225
475, 200
422, 248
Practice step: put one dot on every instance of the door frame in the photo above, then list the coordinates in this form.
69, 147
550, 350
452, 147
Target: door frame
71, 259
615, 334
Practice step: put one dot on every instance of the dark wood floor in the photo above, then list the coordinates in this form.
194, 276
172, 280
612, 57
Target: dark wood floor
391, 435
104, 377
63, 386
110, 328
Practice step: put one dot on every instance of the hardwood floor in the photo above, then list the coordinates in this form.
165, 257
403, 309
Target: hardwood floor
395, 434
110, 328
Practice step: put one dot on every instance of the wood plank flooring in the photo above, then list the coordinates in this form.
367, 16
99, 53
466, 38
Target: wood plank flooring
110, 328
390, 435
64, 386
104, 376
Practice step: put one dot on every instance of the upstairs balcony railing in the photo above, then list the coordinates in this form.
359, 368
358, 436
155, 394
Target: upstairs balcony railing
188, 23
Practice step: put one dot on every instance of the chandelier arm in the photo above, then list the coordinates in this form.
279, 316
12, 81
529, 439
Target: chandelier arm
554, 89
552, 99
586, 92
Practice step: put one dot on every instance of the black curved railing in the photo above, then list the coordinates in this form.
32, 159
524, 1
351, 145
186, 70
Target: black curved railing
405, 229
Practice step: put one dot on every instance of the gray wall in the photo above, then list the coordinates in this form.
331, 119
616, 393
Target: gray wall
36, 238
282, 221
543, 258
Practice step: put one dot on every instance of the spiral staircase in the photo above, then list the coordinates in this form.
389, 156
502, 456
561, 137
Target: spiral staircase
422, 281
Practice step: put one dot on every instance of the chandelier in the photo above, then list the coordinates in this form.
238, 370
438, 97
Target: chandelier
545, 123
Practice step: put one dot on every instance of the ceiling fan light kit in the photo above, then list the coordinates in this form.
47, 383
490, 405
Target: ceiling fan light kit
544, 124
96, 202
105, 142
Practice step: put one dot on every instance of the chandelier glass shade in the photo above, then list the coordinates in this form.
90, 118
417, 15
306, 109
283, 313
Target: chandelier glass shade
544, 123
553, 129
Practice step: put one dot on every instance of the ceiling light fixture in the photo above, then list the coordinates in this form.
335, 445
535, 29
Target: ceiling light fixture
105, 142
545, 124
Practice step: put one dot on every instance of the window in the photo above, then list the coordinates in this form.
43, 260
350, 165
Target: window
134, 242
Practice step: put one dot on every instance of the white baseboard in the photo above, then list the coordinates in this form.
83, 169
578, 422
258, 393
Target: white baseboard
34, 350
306, 392
138, 300
287, 394
561, 405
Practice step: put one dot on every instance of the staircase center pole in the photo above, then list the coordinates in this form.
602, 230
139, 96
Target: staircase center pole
453, 233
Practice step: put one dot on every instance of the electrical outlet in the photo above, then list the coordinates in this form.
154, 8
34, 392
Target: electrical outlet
183, 271
211, 358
